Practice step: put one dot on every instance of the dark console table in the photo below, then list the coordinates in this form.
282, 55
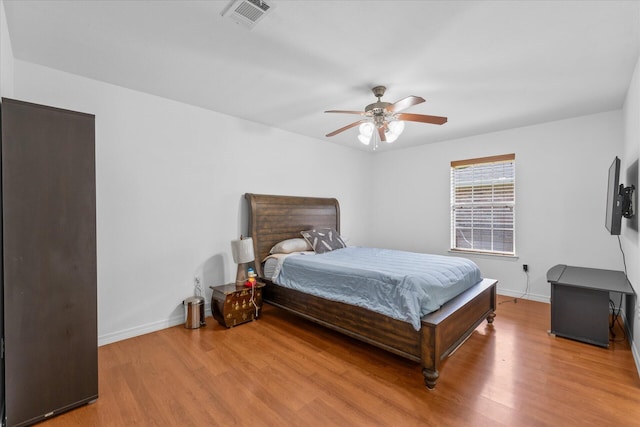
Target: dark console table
580, 301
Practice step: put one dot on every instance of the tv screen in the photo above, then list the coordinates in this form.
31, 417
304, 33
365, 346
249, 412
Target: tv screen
614, 199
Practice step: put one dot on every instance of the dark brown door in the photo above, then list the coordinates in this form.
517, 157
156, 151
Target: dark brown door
49, 260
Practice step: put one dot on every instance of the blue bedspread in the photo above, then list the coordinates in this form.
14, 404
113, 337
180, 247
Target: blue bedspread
398, 284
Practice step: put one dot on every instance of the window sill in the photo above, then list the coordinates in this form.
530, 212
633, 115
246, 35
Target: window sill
483, 254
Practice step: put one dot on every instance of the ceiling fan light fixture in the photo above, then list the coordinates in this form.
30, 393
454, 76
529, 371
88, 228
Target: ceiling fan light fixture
390, 137
366, 131
393, 131
366, 140
396, 127
384, 122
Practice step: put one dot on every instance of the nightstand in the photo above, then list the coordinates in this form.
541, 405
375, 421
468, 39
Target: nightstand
232, 305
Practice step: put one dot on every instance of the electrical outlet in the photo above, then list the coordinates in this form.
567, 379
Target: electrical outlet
525, 267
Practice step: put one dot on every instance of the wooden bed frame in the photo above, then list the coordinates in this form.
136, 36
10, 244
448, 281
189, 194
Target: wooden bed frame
276, 218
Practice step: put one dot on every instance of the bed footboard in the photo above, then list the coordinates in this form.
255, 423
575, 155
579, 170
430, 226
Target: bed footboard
446, 329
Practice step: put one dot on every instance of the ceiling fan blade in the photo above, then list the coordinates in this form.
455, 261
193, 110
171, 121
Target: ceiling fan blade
381, 134
435, 120
342, 129
404, 103
362, 113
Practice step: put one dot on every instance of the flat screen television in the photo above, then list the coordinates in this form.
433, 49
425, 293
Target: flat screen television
618, 199
614, 199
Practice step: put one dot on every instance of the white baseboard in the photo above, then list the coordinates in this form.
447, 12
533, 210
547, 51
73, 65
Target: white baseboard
519, 295
632, 344
146, 328
636, 355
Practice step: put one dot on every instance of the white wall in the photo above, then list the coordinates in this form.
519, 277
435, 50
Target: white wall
629, 176
561, 185
6, 57
170, 179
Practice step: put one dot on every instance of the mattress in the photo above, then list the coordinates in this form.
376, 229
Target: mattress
269, 267
402, 285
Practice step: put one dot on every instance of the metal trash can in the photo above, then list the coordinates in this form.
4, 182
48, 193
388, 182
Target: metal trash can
194, 312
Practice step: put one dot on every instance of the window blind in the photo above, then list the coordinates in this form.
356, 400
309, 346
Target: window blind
483, 205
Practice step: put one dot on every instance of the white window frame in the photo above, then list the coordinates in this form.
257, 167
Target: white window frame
483, 199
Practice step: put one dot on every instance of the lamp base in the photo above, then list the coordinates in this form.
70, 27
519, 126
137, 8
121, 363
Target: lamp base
241, 275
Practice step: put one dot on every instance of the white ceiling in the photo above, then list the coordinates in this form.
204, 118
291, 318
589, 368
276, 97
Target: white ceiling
486, 65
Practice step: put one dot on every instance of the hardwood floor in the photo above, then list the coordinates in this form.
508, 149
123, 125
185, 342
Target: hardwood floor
281, 370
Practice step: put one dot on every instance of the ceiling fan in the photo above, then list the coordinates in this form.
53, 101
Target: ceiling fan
385, 118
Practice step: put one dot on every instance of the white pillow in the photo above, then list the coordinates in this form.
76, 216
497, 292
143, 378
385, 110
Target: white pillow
291, 245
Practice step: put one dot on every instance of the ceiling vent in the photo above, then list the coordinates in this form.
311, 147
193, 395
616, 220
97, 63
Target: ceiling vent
247, 12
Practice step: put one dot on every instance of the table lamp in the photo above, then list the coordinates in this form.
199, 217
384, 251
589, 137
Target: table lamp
242, 251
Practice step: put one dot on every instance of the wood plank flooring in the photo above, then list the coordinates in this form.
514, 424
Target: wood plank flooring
284, 371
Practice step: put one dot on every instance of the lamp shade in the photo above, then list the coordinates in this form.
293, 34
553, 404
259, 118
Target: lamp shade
396, 126
366, 130
364, 139
242, 250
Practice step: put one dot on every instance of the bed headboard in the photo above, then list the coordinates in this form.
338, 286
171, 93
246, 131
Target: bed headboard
276, 218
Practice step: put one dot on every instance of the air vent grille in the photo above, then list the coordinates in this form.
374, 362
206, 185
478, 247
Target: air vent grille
247, 12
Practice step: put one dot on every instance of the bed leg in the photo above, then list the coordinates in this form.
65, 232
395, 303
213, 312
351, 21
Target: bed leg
491, 316
430, 378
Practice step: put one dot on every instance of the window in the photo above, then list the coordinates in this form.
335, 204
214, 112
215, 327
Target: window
483, 205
